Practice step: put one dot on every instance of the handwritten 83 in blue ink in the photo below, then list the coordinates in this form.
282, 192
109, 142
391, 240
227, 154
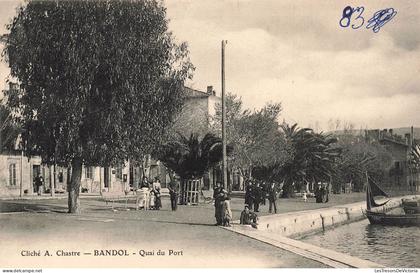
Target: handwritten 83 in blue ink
378, 20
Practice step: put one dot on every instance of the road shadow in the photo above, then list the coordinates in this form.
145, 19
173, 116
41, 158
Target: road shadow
8, 206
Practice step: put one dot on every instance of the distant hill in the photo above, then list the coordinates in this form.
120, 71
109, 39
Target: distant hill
397, 131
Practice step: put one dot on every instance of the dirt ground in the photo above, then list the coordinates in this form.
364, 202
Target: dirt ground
186, 237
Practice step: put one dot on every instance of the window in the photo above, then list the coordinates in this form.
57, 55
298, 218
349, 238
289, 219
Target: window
12, 174
89, 172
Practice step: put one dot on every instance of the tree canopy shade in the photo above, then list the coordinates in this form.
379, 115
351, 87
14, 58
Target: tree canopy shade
99, 80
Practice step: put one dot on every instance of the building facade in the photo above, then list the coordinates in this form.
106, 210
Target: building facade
18, 173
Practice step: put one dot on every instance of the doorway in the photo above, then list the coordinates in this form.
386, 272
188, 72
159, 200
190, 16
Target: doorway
106, 177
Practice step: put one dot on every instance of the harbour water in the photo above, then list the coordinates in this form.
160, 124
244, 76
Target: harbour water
387, 245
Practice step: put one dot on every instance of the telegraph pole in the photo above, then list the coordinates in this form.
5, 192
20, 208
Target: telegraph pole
224, 163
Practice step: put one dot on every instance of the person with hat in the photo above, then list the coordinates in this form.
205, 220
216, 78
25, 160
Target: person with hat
248, 217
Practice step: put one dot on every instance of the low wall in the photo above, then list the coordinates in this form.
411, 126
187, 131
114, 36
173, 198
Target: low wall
304, 222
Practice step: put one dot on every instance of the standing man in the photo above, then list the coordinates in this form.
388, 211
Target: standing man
272, 197
218, 203
173, 188
264, 191
257, 197
318, 193
249, 199
39, 181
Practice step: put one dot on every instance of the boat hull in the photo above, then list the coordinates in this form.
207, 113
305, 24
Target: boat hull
411, 210
377, 218
411, 206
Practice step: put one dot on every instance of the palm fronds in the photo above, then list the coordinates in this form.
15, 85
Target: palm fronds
191, 157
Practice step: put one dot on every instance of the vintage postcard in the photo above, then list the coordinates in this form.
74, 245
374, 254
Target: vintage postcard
210, 134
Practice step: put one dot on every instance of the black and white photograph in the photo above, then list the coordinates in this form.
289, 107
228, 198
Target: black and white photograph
144, 134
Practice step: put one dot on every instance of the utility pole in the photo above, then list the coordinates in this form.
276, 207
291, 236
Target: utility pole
224, 163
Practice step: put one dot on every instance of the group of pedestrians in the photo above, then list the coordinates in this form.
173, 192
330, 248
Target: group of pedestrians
149, 195
223, 212
321, 193
257, 192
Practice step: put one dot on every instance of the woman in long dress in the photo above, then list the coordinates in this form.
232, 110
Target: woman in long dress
226, 212
145, 191
156, 187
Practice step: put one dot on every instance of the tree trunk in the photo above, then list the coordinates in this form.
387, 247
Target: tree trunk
183, 192
76, 174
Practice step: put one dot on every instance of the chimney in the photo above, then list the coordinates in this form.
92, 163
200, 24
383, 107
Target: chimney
210, 90
391, 131
13, 86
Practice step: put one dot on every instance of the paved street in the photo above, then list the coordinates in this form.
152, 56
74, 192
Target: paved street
189, 232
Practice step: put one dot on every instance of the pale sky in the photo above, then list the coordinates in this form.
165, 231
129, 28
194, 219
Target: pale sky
295, 52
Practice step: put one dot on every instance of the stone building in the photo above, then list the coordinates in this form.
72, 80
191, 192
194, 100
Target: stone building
400, 147
197, 112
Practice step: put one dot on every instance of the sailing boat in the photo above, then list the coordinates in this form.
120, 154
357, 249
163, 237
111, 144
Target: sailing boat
382, 218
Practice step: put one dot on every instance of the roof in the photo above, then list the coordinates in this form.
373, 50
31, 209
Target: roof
194, 93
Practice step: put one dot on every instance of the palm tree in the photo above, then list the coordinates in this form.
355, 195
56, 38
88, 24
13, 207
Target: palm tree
313, 160
191, 158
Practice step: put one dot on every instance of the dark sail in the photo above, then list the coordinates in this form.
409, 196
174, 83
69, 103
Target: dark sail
372, 191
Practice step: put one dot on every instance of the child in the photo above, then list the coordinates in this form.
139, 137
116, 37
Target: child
152, 200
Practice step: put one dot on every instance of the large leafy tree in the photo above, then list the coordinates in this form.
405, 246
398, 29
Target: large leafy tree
99, 80
9, 130
359, 158
255, 135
